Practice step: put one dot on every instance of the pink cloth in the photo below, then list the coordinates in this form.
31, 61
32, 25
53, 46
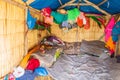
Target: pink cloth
109, 27
48, 20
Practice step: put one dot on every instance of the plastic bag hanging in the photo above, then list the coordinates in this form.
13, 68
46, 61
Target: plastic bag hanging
30, 20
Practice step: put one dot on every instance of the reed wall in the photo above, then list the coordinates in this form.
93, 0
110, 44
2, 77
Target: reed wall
15, 41
77, 34
12, 22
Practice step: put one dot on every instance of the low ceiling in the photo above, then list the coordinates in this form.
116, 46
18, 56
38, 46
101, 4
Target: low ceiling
109, 6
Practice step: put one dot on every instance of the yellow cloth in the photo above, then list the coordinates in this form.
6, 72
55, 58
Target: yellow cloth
110, 44
24, 62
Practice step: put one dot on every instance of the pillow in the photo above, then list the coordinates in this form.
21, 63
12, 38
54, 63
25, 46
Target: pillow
95, 47
52, 40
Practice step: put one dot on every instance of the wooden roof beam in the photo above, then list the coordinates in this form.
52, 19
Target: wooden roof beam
102, 2
96, 7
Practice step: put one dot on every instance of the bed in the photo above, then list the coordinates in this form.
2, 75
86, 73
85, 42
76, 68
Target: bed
83, 67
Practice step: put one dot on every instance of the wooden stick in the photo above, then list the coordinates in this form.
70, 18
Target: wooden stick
76, 4
23, 6
102, 2
96, 7
117, 17
60, 2
66, 4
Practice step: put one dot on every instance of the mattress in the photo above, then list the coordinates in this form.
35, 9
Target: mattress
83, 67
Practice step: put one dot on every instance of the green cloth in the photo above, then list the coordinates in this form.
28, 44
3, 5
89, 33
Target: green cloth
96, 20
59, 18
37, 26
73, 14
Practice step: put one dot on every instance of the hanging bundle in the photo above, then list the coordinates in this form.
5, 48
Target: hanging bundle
59, 18
96, 20
42, 26
87, 25
116, 31
30, 20
81, 20
46, 12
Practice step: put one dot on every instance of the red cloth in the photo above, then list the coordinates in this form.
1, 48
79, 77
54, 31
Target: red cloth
80, 22
46, 12
87, 25
33, 64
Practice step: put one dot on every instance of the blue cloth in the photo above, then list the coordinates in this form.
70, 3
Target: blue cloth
29, 75
53, 4
111, 6
30, 20
68, 25
116, 31
65, 24
41, 71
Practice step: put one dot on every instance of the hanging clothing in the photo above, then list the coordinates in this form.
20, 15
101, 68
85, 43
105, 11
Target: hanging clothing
108, 29
73, 14
30, 20
59, 18
46, 12
110, 44
116, 31
68, 25
87, 25
48, 20
81, 20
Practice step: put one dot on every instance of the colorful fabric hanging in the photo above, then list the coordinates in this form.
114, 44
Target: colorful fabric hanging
73, 14
30, 20
108, 29
59, 18
48, 20
96, 20
46, 11
87, 25
116, 31
81, 20
110, 44
102, 20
